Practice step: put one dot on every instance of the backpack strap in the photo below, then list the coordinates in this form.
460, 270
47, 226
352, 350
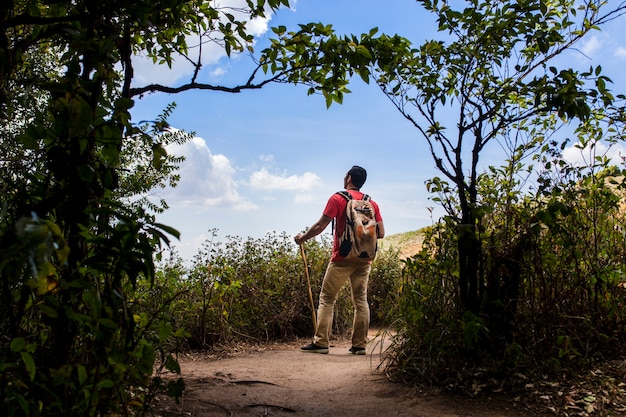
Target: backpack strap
345, 195
348, 197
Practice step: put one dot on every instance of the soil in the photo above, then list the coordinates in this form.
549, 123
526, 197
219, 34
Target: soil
280, 380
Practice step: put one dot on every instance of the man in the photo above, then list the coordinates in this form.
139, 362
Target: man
339, 270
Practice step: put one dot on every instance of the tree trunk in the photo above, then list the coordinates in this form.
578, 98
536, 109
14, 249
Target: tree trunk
469, 267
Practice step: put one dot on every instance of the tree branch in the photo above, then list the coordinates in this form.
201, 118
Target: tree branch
151, 88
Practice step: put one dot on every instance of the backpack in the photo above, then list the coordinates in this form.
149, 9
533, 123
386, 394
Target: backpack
359, 240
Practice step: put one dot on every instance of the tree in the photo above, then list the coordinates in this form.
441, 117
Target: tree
73, 243
493, 78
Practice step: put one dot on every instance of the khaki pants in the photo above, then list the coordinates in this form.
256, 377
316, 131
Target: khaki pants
336, 275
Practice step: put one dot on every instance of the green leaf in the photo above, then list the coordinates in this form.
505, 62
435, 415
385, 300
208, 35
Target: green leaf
175, 388
29, 363
18, 344
365, 75
108, 323
159, 155
105, 383
82, 374
363, 51
172, 364
23, 405
168, 229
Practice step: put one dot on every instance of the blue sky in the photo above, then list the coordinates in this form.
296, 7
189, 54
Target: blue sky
267, 160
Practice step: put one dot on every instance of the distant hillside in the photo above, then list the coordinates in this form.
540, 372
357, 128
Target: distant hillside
409, 243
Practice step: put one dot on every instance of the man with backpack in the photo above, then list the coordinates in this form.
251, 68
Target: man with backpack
358, 226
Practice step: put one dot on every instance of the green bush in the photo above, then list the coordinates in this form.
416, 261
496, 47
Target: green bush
384, 286
81, 346
555, 269
256, 290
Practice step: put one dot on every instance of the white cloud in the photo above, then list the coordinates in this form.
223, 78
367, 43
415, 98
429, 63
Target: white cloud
259, 25
207, 179
583, 157
591, 45
620, 52
265, 180
146, 72
218, 72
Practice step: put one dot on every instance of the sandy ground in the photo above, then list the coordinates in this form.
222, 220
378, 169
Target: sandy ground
279, 380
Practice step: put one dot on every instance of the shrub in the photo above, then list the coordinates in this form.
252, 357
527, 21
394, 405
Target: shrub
555, 265
256, 290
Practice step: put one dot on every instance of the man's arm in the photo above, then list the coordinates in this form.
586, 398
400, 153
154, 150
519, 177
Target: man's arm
317, 228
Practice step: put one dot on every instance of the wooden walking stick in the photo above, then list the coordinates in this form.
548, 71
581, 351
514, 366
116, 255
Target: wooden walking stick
308, 281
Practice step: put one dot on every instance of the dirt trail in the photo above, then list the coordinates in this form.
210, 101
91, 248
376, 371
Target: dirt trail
279, 380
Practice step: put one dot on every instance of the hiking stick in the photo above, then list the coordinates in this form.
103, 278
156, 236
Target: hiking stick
308, 281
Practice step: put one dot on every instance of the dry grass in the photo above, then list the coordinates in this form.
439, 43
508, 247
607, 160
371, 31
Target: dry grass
409, 243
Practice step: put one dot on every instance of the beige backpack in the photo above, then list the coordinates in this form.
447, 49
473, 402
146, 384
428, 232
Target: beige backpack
359, 241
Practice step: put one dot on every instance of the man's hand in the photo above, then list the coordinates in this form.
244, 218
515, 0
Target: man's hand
299, 238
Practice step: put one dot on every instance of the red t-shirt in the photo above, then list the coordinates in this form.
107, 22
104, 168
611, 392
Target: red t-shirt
336, 209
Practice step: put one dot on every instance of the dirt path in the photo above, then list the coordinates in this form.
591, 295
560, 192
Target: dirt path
282, 381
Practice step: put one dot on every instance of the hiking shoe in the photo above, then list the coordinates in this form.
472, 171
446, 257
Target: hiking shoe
313, 348
357, 351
